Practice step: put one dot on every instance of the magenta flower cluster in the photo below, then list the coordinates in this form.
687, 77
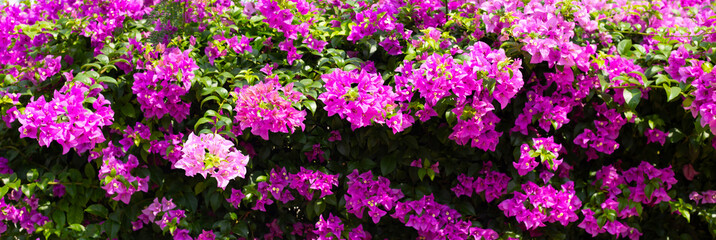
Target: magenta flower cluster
433, 220
545, 148
703, 197
375, 195
66, 120
494, 184
133, 136
4, 168
212, 154
614, 183
328, 228
170, 148
550, 108
604, 138
305, 182
161, 213
116, 177
160, 87
440, 76
361, 98
23, 212
267, 107
540, 204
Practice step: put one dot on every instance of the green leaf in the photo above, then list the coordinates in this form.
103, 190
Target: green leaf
601, 220
672, 92
59, 218
97, 210
106, 79
319, 208
75, 215
202, 121
242, 229
653, 70
95, 65
215, 201
128, 110
212, 97
624, 47
344, 148
466, 208
310, 105
421, 173
387, 165
431, 174
632, 97
77, 227
199, 187
661, 78
32, 175
686, 215
610, 214
103, 59
4, 190
28, 189
649, 189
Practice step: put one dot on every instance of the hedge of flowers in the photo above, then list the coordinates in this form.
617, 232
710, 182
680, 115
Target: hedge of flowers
331, 119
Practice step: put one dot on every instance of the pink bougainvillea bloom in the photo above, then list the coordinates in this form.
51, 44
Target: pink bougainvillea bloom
4, 168
267, 107
235, 198
206, 235
211, 154
689, 172
655, 136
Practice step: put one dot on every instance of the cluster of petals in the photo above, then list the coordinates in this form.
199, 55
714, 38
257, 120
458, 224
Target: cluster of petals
4, 168
267, 107
375, 195
607, 127
433, 220
66, 120
703, 197
545, 148
133, 135
22, 213
166, 212
494, 184
613, 181
116, 176
170, 148
440, 76
655, 136
538, 205
276, 187
160, 87
381, 16
329, 228
212, 154
645, 174
306, 180
704, 105
236, 197
361, 98
551, 108
619, 229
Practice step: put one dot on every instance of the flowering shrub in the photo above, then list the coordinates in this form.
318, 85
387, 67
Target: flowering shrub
329, 119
